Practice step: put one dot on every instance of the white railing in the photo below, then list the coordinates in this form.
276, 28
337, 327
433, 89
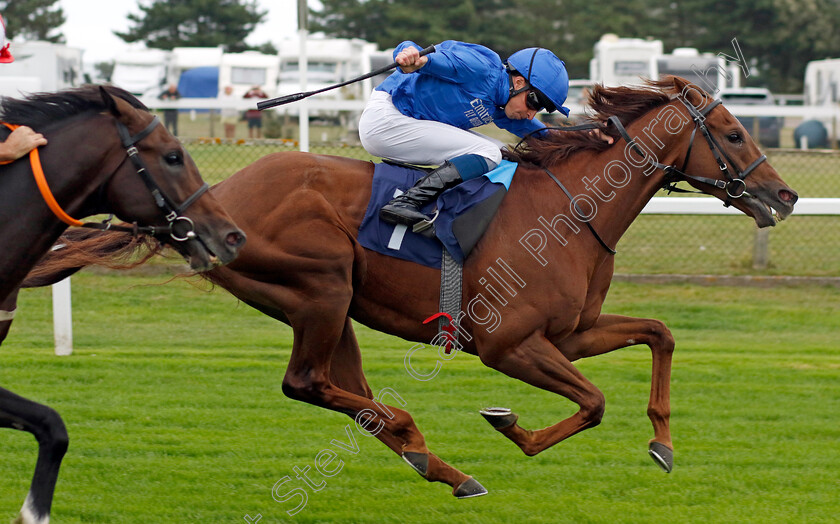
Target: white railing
324, 102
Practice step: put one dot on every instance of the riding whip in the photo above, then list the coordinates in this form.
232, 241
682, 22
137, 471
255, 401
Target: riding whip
266, 104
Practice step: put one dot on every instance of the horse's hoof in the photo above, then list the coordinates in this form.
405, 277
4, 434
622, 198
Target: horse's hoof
418, 461
499, 417
469, 488
662, 455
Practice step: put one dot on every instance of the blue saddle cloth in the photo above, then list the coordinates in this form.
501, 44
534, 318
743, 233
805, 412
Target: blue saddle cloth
465, 212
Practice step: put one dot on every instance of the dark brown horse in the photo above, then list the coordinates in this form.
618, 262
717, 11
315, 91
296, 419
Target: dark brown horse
106, 154
533, 286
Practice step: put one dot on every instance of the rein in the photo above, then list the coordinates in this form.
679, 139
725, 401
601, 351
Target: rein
672, 174
172, 213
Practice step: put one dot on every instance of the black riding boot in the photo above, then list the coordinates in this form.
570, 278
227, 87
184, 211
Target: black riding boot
405, 209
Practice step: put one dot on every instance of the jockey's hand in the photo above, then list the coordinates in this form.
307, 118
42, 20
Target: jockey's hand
20, 142
597, 133
409, 60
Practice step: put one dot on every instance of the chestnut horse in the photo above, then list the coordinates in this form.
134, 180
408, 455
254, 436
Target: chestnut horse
533, 286
106, 154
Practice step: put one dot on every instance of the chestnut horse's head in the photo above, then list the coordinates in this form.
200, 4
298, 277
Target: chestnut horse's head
724, 161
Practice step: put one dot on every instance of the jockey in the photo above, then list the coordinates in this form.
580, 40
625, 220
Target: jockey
23, 139
423, 113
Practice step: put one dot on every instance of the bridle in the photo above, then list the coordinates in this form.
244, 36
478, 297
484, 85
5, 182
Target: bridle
734, 186
172, 212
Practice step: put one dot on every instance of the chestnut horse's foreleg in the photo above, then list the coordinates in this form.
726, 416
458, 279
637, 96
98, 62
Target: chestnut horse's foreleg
612, 332
346, 373
25, 415
609, 333
536, 361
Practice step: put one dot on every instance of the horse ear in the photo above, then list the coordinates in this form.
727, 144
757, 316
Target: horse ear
110, 104
690, 92
679, 83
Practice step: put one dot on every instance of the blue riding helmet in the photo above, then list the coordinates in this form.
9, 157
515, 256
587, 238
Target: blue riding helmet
545, 73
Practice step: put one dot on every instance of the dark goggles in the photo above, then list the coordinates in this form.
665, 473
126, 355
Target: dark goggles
536, 101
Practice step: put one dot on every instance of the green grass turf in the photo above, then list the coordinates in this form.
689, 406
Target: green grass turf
174, 407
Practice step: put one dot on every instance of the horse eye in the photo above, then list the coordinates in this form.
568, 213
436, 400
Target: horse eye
174, 158
734, 137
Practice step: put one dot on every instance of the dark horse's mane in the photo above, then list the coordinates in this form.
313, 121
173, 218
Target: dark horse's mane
627, 103
42, 109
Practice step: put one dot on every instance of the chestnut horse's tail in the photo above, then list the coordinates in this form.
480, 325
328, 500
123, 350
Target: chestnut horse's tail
79, 248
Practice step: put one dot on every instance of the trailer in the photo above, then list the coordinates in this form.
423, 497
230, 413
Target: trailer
705, 70
632, 61
41, 66
329, 61
142, 72
623, 61
186, 58
242, 71
822, 82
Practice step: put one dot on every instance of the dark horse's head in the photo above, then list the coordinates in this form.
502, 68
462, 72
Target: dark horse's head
142, 174
725, 163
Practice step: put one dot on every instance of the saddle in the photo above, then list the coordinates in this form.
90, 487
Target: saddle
460, 214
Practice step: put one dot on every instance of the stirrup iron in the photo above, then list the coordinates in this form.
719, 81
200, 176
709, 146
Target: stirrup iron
423, 225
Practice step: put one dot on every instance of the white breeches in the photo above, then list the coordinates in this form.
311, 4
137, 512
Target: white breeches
387, 133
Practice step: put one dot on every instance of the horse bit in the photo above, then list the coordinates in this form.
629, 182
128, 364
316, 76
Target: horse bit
172, 212
734, 186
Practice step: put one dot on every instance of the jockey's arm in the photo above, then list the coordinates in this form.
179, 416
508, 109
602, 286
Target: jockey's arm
20, 142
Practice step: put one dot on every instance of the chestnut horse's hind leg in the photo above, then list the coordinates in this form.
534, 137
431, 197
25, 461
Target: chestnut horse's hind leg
346, 373
325, 366
43, 422
609, 333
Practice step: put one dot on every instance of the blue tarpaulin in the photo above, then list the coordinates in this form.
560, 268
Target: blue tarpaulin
199, 82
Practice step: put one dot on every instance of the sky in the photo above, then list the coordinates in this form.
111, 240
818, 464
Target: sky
90, 27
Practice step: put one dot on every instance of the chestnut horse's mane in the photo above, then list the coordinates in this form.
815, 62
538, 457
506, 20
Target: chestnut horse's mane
42, 109
627, 103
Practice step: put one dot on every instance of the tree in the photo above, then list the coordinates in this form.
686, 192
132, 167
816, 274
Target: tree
165, 24
33, 19
389, 22
777, 37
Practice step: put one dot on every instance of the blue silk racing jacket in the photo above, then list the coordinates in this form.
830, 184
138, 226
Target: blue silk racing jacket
463, 85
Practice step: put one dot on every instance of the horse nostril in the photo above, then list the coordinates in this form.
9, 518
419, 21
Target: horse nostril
788, 196
235, 239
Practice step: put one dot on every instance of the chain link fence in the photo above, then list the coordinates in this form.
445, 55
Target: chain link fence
654, 244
